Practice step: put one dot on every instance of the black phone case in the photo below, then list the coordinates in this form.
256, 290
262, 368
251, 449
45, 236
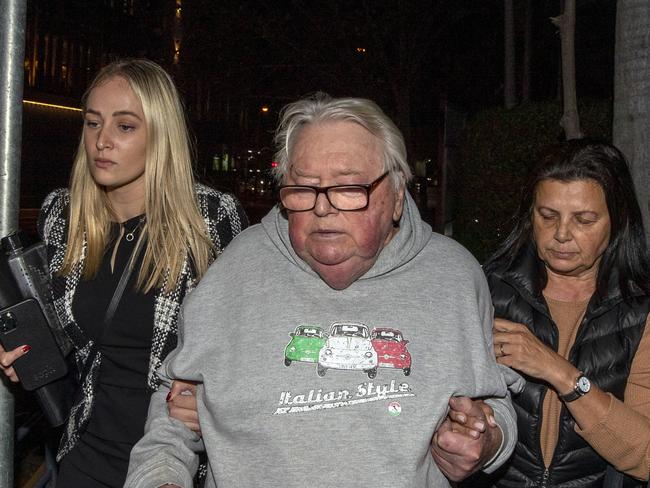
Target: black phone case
24, 323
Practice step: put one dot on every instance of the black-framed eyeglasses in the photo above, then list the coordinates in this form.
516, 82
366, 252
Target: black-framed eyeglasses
300, 198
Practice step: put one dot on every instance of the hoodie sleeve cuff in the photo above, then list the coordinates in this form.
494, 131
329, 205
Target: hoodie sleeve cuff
504, 415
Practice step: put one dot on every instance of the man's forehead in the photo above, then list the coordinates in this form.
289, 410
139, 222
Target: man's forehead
335, 149
335, 137
298, 169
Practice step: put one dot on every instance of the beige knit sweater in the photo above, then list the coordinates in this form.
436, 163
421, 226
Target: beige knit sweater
622, 436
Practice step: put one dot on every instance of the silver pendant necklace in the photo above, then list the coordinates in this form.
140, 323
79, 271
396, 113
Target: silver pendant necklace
131, 235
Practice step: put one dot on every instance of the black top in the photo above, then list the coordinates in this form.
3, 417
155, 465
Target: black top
122, 396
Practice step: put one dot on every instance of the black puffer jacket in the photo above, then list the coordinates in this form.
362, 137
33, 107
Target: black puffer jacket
605, 345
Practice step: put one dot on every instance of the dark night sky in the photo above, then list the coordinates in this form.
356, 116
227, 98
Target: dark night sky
415, 51
274, 52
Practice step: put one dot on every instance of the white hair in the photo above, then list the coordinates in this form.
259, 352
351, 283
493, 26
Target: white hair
323, 108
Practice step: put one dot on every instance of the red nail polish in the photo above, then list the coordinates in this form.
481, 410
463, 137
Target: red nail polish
169, 396
26, 348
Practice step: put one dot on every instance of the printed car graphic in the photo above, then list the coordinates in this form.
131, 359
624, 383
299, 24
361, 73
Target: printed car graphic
348, 346
391, 349
306, 342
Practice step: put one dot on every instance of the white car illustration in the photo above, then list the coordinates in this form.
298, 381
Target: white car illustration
348, 346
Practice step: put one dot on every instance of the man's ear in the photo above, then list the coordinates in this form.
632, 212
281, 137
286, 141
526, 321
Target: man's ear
399, 203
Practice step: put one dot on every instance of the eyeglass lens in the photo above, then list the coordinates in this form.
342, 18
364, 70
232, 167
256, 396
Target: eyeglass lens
340, 197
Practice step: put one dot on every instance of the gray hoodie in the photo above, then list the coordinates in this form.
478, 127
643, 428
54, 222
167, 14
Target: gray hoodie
306, 386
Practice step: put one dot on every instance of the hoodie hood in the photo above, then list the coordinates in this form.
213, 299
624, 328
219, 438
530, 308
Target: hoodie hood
408, 241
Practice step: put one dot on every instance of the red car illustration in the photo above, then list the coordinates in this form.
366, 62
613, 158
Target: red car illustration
391, 349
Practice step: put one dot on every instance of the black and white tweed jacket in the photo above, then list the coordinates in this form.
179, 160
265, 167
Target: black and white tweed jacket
224, 218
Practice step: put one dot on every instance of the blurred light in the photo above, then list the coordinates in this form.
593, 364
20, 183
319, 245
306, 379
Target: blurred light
265, 109
361, 50
177, 50
51, 105
274, 164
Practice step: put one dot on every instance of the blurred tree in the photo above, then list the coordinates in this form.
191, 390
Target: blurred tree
518, 27
632, 94
528, 48
509, 90
566, 22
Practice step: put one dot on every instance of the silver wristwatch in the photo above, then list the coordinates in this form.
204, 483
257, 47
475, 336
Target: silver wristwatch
581, 388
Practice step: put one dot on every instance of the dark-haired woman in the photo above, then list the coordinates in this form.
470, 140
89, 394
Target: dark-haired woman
571, 291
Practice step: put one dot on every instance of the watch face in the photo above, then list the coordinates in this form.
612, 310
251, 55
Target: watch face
584, 385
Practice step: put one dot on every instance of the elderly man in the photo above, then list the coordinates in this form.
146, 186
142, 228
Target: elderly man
328, 341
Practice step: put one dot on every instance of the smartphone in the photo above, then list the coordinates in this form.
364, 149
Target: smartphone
24, 323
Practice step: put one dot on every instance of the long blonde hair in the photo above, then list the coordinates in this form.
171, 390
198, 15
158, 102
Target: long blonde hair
175, 228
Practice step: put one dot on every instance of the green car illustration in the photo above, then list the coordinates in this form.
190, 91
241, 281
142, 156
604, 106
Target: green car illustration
306, 342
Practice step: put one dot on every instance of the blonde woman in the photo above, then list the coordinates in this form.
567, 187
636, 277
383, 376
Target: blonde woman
132, 205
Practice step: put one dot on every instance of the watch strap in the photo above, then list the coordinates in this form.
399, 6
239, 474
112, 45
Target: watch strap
571, 396
575, 393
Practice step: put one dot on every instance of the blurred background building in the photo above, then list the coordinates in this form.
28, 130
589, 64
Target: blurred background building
236, 65
67, 42
433, 66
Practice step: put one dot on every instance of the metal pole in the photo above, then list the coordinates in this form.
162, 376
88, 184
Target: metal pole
12, 55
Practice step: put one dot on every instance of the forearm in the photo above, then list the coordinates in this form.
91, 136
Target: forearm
615, 430
621, 435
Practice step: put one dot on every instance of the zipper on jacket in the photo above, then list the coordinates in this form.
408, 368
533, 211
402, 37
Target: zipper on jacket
545, 478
